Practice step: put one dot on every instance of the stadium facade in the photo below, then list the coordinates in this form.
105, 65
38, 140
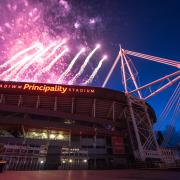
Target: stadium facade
48, 126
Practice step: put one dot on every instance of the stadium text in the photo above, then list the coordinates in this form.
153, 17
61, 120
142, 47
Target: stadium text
46, 88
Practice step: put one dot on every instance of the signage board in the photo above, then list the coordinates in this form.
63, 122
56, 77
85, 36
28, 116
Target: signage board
16, 87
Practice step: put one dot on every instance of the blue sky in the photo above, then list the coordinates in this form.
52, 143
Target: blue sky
146, 26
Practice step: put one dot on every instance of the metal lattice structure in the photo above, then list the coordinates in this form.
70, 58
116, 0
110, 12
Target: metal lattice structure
143, 139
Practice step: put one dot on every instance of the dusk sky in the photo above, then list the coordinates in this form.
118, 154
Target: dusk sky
147, 26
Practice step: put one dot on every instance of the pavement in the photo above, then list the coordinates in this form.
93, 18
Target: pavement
91, 175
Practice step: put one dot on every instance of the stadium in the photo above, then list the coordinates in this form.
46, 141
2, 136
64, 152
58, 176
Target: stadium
48, 126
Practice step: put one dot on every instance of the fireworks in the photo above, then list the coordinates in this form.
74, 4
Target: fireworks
16, 56
33, 38
35, 58
16, 72
18, 69
84, 65
54, 60
88, 81
17, 66
64, 74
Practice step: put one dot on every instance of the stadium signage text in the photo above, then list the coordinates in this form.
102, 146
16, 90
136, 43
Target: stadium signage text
47, 88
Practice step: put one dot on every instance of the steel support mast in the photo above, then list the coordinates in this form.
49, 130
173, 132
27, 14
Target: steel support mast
140, 124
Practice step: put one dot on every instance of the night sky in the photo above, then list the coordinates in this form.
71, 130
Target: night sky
146, 26
150, 27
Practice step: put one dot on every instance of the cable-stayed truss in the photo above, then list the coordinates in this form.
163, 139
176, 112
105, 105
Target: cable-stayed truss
140, 128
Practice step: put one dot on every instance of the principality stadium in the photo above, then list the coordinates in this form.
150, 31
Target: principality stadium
48, 126
51, 115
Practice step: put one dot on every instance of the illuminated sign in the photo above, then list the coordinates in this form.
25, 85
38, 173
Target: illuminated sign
46, 88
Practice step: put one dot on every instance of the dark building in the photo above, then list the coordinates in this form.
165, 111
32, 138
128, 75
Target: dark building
47, 126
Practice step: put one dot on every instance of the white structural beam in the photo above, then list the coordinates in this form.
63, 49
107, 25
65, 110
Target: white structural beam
132, 76
112, 69
171, 82
156, 81
124, 81
153, 58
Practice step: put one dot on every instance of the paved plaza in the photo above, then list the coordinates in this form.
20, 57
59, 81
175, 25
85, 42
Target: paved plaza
91, 175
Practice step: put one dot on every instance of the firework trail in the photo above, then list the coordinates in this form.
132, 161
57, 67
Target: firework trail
55, 60
84, 65
70, 65
35, 59
16, 67
19, 54
48, 68
88, 81
46, 58
55, 49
